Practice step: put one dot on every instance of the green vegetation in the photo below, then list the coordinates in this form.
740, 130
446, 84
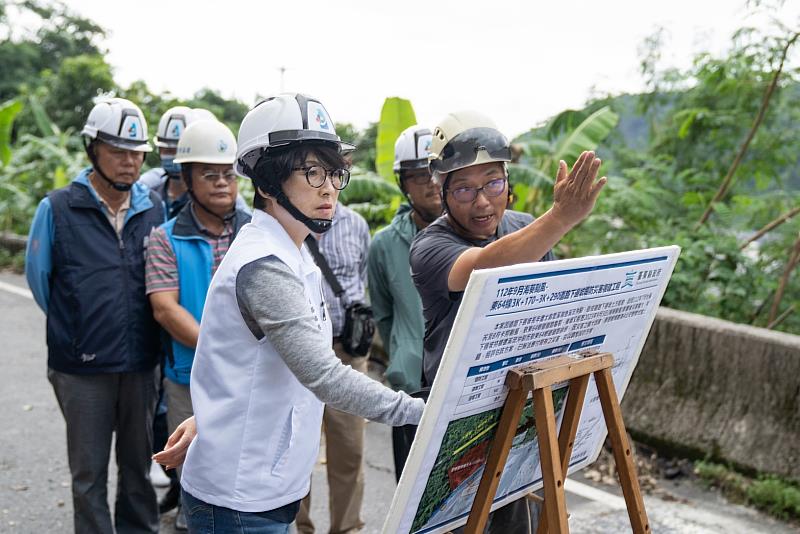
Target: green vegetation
53, 68
397, 114
706, 158
14, 261
777, 497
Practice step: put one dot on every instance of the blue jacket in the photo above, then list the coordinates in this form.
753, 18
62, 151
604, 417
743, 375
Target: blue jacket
195, 261
90, 281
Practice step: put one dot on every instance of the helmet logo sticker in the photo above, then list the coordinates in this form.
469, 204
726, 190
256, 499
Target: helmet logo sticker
424, 146
176, 130
318, 118
131, 126
222, 146
321, 120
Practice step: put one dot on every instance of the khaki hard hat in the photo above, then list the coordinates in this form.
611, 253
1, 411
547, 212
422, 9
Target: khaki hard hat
464, 139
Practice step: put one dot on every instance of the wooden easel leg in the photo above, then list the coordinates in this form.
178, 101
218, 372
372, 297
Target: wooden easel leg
554, 502
569, 428
498, 455
622, 452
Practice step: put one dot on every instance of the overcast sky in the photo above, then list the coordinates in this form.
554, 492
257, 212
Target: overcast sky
519, 62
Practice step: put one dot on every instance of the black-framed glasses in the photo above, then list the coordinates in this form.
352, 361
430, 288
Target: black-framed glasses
212, 176
317, 174
491, 189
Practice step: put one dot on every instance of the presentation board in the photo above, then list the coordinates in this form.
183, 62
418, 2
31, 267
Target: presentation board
510, 317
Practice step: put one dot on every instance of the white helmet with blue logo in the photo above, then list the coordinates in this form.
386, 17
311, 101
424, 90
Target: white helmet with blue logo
172, 124
412, 148
206, 141
117, 122
280, 121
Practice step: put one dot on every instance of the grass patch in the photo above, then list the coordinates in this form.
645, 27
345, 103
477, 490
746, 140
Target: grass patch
14, 261
775, 496
778, 497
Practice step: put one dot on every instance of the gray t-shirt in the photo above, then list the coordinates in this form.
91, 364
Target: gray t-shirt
432, 255
272, 303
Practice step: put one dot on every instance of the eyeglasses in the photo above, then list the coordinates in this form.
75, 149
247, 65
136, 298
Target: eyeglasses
212, 176
316, 176
492, 189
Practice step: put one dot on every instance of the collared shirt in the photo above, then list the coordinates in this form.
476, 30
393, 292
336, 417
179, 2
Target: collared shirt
345, 248
161, 270
117, 219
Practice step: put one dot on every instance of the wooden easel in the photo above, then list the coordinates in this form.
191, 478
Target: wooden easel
555, 453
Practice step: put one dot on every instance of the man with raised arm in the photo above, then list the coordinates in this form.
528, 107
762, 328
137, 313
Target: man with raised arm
469, 158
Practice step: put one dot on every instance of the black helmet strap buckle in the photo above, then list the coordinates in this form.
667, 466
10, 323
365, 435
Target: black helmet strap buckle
318, 226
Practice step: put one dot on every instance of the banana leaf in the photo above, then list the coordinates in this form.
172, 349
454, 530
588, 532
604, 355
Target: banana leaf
397, 115
8, 111
586, 136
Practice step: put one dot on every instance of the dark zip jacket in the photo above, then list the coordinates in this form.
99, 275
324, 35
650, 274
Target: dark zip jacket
99, 319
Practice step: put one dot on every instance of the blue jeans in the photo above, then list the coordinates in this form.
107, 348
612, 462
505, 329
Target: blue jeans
204, 518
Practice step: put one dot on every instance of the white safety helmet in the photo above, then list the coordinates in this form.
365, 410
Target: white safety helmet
283, 120
172, 124
464, 139
202, 114
412, 148
174, 121
207, 141
119, 123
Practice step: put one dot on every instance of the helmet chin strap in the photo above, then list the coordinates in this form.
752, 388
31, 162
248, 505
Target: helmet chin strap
318, 226
224, 218
119, 186
422, 216
427, 218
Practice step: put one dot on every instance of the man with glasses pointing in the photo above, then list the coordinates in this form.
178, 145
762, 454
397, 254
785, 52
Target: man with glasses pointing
469, 158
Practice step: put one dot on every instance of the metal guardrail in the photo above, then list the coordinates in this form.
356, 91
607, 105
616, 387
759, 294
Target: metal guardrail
13, 242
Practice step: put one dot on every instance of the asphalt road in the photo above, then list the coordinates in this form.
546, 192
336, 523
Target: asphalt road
35, 482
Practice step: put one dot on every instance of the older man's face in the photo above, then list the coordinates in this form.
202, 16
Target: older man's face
122, 166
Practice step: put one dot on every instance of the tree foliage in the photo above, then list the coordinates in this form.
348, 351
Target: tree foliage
27, 51
698, 120
666, 152
73, 88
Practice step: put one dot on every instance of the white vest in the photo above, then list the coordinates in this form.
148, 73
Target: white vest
257, 427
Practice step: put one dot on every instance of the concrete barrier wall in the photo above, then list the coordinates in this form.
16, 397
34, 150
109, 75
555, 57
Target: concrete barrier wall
720, 388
